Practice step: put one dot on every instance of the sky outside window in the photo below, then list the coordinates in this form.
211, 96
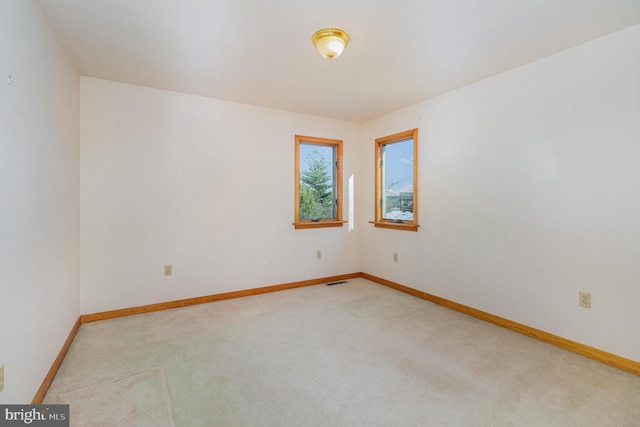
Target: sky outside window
398, 179
325, 151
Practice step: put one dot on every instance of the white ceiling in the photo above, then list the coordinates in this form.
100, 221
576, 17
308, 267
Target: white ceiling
260, 52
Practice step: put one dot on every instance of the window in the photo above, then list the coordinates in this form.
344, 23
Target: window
397, 181
318, 182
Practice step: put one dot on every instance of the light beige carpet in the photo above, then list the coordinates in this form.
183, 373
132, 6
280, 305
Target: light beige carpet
138, 400
354, 354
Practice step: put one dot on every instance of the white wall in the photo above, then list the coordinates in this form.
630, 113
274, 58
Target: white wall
39, 193
202, 184
529, 193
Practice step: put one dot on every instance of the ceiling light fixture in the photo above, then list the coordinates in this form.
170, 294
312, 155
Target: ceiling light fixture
330, 42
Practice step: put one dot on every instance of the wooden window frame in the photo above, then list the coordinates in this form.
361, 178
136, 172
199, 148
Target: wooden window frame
387, 223
321, 223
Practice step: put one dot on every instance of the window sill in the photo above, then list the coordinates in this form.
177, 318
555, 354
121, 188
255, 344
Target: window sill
405, 226
319, 224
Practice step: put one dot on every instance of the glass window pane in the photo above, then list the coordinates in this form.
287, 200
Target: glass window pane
317, 178
397, 180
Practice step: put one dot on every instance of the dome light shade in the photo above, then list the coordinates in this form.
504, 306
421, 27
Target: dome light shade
330, 42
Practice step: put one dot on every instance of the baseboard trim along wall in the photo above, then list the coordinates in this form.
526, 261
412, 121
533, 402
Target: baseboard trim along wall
44, 387
86, 318
575, 347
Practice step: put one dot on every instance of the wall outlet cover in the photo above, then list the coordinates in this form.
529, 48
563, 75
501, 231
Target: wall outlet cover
584, 300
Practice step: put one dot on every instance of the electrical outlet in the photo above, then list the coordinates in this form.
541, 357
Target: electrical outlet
395, 256
585, 299
318, 254
168, 270
1, 377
